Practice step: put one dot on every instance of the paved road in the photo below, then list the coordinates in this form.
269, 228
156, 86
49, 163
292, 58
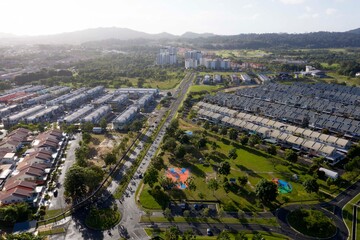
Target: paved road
130, 211
59, 202
128, 207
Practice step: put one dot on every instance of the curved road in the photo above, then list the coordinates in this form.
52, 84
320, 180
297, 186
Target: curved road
131, 213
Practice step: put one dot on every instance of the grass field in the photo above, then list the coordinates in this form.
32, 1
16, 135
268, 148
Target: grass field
268, 236
102, 219
348, 215
242, 54
263, 221
52, 213
249, 162
51, 232
199, 88
335, 77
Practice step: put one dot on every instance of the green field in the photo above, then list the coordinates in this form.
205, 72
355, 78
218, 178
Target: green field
268, 236
263, 221
348, 215
199, 88
102, 219
337, 78
251, 163
242, 54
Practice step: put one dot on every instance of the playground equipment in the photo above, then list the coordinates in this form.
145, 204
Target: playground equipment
283, 186
179, 176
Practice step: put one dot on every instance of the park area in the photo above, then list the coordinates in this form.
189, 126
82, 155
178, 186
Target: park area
249, 163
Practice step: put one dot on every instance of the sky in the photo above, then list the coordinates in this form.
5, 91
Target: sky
226, 17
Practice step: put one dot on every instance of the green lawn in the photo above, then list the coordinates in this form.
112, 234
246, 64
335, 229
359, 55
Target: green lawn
51, 232
250, 162
335, 77
263, 221
102, 219
268, 236
52, 213
348, 215
242, 54
199, 88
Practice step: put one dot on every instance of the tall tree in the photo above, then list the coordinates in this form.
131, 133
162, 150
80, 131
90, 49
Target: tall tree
151, 176
224, 168
311, 185
75, 182
172, 233
266, 190
213, 185
291, 155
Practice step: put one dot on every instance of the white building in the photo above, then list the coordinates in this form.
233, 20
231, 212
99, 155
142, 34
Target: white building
191, 63
215, 64
167, 56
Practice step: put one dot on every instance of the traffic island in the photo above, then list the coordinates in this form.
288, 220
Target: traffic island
312, 223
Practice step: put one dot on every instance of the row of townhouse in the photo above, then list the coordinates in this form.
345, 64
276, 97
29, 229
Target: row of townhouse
75, 117
99, 113
340, 143
291, 114
300, 139
125, 118
26, 183
309, 101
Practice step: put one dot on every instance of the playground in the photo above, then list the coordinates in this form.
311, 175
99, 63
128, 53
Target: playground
179, 176
283, 186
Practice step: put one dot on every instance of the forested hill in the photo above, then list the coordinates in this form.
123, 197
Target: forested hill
242, 41
274, 40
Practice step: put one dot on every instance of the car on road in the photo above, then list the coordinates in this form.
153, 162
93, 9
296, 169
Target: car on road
55, 193
209, 232
140, 176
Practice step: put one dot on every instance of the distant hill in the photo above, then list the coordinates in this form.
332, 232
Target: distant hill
7, 35
98, 36
356, 31
196, 35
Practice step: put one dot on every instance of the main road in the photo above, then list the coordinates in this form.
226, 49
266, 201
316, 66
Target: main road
130, 211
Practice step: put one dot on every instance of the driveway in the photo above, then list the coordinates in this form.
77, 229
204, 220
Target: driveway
59, 201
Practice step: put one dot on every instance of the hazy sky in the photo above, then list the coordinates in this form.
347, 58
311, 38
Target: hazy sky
34, 17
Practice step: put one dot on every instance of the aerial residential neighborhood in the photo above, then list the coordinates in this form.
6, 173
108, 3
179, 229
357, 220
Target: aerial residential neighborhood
226, 120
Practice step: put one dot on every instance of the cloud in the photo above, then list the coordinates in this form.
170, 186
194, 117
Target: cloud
292, 2
255, 16
308, 9
309, 16
249, 5
331, 11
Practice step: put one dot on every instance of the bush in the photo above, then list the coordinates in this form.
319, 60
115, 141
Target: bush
102, 219
312, 223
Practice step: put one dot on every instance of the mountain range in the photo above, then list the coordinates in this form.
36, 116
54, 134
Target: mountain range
95, 34
98, 34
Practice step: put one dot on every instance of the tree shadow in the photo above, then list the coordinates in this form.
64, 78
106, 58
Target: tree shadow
248, 171
176, 194
160, 197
